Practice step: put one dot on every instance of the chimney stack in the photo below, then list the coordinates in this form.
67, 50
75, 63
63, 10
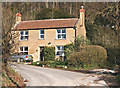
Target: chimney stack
82, 16
18, 18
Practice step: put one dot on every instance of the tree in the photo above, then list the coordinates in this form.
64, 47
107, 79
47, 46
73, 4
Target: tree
48, 13
109, 17
105, 37
76, 46
8, 38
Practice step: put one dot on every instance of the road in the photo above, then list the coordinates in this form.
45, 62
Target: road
39, 76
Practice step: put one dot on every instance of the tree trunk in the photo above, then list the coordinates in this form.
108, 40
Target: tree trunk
46, 3
53, 4
70, 8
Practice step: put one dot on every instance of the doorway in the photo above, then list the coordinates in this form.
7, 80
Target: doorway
41, 53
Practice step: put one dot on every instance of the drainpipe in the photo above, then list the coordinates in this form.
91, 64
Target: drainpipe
75, 34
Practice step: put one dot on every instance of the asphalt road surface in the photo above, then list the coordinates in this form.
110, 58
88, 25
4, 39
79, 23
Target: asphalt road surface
39, 76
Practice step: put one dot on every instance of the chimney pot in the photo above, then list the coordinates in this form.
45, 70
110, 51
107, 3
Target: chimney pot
18, 17
18, 14
82, 10
82, 7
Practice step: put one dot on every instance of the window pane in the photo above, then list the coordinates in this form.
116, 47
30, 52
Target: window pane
26, 32
26, 48
21, 32
64, 31
21, 48
42, 32
59, 36
62, 47
58, 53
62, 53
60, 50
64, 36
26, 37
21, 37
42, 36
58, 31
58, 47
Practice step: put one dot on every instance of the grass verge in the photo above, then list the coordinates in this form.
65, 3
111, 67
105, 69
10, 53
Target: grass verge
10, 78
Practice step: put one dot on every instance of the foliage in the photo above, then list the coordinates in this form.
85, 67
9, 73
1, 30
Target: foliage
109, 17
61, 62
49, 53
75, 46
48, 13
50, 63
8, 38
58, 64
105, 37
40, 63
106, 14
89, 56
101, 35
118, 78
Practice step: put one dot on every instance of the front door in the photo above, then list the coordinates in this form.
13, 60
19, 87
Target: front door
41, 53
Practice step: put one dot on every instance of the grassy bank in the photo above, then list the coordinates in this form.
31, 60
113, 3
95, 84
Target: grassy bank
10, 78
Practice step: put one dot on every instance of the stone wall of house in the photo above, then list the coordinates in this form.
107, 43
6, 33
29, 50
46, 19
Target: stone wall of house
80, 26
34, 42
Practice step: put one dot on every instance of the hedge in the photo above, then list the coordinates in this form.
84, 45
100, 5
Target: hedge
89, 55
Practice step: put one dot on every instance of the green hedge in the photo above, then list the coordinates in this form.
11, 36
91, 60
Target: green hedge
76, 46
88, 56
49, 53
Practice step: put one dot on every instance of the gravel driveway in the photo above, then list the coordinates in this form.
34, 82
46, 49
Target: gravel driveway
39, 76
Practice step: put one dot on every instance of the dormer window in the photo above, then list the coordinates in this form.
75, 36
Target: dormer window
61, 33
23, 35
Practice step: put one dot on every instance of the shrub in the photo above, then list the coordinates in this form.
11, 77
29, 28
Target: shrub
40, 63
106, 37
60, 62
88, 56
118, 78
34, 63
75, 46
49, 53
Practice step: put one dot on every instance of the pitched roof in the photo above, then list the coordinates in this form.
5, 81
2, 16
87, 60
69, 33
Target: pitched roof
49, 23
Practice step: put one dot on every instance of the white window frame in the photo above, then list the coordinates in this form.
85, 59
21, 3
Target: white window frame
24, 51
60, 33
61, 50
24, 35
41, 34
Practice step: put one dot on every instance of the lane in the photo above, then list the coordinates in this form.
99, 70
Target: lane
39, 76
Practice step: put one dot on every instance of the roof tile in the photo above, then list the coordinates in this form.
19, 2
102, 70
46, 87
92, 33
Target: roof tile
49, 23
